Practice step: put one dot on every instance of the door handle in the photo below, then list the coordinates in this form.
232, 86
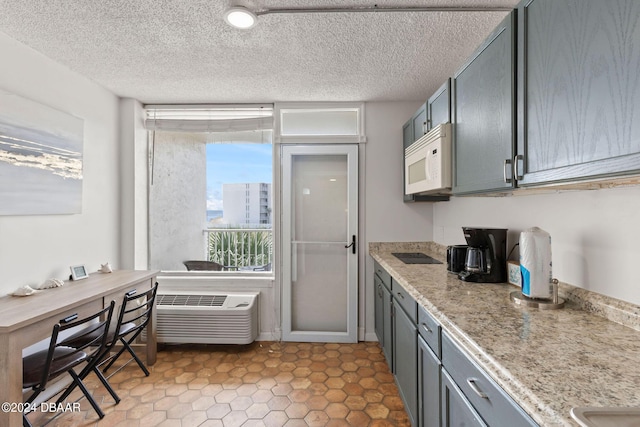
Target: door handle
505, 171
516, 173
352, 245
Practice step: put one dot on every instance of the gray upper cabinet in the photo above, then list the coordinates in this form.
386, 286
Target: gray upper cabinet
483, 92
419, 122
439, 106
412, 130
579, 89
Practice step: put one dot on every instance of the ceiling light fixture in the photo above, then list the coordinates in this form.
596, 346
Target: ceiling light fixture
240, 17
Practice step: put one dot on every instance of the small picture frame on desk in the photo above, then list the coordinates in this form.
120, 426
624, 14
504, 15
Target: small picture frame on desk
78, 272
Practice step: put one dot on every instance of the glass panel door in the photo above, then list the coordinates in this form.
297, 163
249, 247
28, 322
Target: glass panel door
319, 225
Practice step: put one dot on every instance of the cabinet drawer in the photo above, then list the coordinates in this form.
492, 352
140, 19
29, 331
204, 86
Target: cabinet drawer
429, 329
491, 402
406, 301
118, 296
82, 311
382, 274
456, 409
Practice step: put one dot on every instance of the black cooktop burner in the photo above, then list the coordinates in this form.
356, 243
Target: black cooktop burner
415, 258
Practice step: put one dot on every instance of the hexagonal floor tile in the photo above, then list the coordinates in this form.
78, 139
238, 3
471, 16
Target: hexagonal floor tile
260, 384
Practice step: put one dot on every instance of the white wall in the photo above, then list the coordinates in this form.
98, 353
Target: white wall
34, 248
385, 216
134, 182
595, 234
388, 218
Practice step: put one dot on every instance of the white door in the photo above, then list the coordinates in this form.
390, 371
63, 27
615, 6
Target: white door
320, 232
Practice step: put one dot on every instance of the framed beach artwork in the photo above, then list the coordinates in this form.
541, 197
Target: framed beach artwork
40, 158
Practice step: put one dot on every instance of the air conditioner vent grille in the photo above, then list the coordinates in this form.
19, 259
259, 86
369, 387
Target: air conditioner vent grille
207, 318
191, 300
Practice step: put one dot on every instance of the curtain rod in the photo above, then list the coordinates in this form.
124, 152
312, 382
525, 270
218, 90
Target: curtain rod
385, 9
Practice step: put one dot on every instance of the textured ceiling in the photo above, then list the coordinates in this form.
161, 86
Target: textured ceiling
181, 51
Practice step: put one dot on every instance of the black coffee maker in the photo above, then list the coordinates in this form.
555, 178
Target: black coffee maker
486, 258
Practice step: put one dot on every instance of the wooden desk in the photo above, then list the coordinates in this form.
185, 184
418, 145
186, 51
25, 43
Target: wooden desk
27, 320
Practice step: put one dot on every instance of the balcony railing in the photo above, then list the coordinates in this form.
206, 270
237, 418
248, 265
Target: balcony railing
242, 249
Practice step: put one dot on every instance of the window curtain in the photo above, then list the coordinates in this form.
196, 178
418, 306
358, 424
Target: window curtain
214, 119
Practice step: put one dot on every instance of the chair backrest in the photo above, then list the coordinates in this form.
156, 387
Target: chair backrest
136, 308
203, 266
93, 327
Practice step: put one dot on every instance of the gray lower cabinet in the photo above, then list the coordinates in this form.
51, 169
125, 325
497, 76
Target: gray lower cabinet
379, 310
428, 386
484, 127
383, 321
487, 399
405, 344
456, 409
438, 383
578, 89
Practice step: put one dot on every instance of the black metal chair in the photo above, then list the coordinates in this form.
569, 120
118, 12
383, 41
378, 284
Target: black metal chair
134, 316
135, 313
43, 366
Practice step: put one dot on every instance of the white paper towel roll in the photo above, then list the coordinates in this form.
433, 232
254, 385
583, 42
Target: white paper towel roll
535, 263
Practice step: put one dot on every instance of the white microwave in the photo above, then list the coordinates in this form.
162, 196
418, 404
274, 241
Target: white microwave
428, 162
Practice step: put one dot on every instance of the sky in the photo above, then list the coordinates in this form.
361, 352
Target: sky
236, 164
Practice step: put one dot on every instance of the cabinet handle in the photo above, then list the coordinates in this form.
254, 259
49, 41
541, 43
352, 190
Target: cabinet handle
506, 168
515, 166
70, 318
476, 389
424, 325
400, 295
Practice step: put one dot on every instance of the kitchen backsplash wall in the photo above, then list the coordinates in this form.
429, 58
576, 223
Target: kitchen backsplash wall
595, 234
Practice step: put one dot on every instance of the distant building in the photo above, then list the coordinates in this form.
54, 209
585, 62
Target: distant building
246, 203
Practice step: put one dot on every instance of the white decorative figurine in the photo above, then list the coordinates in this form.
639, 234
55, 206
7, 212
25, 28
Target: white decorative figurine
105, 268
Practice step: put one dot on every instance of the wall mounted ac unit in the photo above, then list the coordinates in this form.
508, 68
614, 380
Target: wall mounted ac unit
207, 318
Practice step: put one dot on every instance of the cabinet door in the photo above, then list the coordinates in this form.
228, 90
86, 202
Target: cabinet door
439, 106
484, 115
407, 134
579, 86
428, 386
456, 410
420, 122
379, 310
387, 330
405, 358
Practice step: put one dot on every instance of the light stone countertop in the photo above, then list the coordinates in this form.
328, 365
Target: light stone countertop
548, 361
